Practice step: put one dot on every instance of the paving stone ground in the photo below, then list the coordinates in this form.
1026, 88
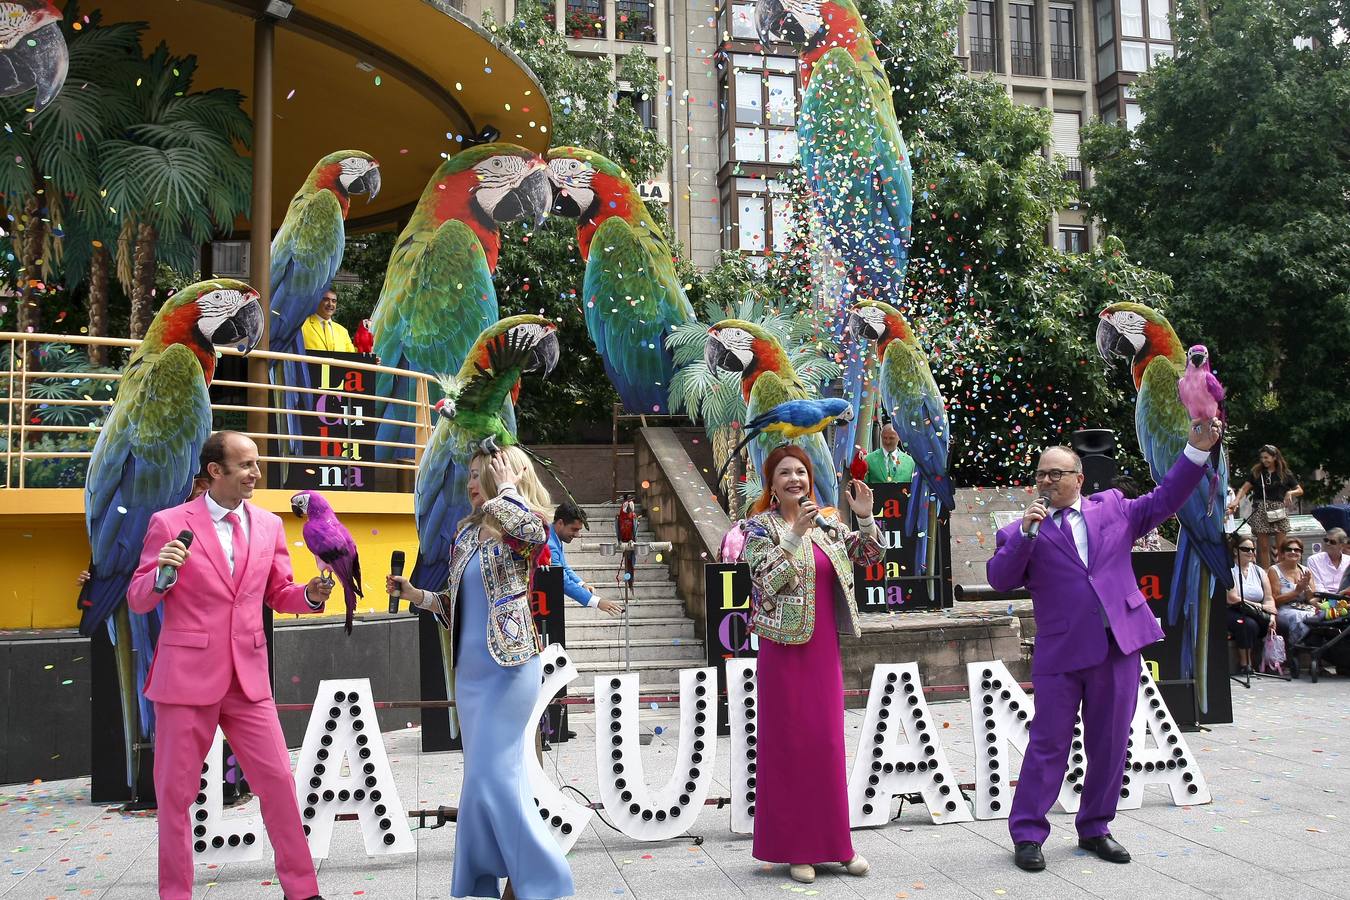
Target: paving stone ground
1279, 827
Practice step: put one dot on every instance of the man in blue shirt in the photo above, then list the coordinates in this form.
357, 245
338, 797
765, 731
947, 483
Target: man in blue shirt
568, 521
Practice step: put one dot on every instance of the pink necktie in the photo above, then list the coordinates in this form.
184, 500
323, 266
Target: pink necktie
240, 547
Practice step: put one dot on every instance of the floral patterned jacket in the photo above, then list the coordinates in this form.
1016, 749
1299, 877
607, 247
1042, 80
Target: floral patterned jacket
783, 576
508, 567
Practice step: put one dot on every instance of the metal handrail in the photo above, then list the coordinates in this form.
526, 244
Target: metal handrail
19, 426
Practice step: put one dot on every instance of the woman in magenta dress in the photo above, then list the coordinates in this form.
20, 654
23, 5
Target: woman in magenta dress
801, 601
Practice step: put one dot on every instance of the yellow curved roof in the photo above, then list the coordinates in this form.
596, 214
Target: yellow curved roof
399, 79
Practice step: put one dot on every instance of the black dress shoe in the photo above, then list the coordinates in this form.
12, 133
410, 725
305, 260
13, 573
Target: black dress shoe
1028, 856
1107, 847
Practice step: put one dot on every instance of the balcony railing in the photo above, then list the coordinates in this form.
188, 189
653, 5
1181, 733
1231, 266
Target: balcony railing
1026, 57
26, 395
1073, 170
983, 56
1064, 62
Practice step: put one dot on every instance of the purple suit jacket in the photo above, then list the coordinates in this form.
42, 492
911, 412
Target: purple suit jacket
1067, 596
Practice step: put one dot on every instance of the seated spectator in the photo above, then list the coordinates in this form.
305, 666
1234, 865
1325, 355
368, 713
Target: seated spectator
568, 522
1129, 489
1251, 606
321, 334
888, 464
1273, 488
1291, 583
1331, 566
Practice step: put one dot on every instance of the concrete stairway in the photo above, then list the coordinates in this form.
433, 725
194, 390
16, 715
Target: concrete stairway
662, 638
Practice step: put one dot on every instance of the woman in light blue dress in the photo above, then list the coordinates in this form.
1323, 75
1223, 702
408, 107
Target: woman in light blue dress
497, 675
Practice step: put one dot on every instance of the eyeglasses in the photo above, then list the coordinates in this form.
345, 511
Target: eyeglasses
1052, 475
1333, 543
1246, 549
1291, 549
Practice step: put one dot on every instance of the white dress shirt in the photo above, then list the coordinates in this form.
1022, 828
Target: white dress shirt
224, 530
1074, 515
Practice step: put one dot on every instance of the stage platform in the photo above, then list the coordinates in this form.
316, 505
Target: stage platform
1276, 828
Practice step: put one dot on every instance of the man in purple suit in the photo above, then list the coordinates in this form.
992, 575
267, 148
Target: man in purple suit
1091, 623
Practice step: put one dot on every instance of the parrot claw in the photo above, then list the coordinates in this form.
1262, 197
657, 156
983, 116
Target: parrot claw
489, 446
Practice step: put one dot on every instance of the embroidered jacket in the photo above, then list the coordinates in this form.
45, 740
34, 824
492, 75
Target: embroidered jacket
508, 566
783, 576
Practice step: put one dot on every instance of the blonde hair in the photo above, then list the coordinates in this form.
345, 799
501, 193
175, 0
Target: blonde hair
528, 487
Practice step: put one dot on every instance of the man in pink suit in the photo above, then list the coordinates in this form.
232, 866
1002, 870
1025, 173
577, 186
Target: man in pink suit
210, 665
1073, 554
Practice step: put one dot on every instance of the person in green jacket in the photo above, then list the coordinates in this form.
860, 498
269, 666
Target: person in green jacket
888, 464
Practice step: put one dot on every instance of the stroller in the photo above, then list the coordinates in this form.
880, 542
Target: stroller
1326, 641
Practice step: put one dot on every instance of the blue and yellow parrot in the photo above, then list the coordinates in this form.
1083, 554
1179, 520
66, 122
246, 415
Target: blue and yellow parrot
790, 420
144, 461
1157, 361
632, 296
768, 380
856, 163
306, 253
911, 397
438, 294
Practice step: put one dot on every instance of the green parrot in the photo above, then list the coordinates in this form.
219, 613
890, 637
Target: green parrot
438, 293
768, 379
632, 297
144, 461
469, 419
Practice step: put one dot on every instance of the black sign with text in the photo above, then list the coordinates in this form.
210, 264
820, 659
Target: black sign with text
916, 572
342, 420
726, 599
1154, 572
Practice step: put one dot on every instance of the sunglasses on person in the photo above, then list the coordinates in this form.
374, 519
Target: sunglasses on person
1291, 549
1333, 543
1246, 549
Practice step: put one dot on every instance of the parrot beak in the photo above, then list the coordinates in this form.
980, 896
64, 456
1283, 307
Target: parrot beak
1198, 359
773, 22
369, 184
530, 200
564, 203
244, 327
1111, 343
719, 357
40, 61
300, 505
546, 352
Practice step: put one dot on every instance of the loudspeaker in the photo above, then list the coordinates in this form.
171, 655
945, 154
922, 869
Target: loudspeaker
1097, 448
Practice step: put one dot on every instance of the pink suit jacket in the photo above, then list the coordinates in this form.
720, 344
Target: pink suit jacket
211, 630
1068, 597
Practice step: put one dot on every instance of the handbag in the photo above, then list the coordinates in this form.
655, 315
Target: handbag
1273, 654
1278, 513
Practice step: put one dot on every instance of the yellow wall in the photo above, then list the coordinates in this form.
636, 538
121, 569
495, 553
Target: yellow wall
43, 547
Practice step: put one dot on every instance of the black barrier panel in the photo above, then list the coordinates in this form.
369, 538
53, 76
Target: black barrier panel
903, 581
342, 420
726, 606
550, 620
1154, 572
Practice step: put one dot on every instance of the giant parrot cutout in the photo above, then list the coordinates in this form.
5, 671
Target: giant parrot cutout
1157, 361
306, 254
438, 294
911, 397
144, 461
33, 52
767, 380
856, 163
631, 296
470, 418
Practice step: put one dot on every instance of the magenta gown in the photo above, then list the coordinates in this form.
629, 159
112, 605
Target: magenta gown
801, 802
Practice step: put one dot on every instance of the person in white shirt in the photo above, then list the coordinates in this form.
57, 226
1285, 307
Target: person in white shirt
1251, 606
1330, 566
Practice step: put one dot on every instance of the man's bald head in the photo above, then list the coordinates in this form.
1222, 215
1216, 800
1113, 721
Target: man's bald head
1062, 463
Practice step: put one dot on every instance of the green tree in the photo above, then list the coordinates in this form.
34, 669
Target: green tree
1235, 186
540, 270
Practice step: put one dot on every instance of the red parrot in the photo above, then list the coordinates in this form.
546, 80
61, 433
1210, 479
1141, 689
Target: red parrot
858, 467
364, 339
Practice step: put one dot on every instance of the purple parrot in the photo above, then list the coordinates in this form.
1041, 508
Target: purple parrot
1202, 395
332, 545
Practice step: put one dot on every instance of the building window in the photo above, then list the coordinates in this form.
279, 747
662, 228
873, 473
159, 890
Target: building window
585, 19
1159, 28
1132, 18
1133, 56
642, 105
760, 218
761, 101
1072, 239
983, 29
1160, 51
1025, 49
1064, 43
550, 9
1106, 22
741, 26
1134, 116
634, 20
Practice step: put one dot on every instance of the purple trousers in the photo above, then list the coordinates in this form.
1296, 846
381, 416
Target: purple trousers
1107, 693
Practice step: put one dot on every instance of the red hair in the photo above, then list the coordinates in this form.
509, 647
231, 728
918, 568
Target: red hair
766, 478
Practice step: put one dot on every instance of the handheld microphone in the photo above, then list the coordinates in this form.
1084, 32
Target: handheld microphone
824, 525
1036, 526
395, 568
168, 575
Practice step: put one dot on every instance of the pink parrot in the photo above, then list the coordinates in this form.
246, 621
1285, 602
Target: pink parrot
1202, 395
332, 545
